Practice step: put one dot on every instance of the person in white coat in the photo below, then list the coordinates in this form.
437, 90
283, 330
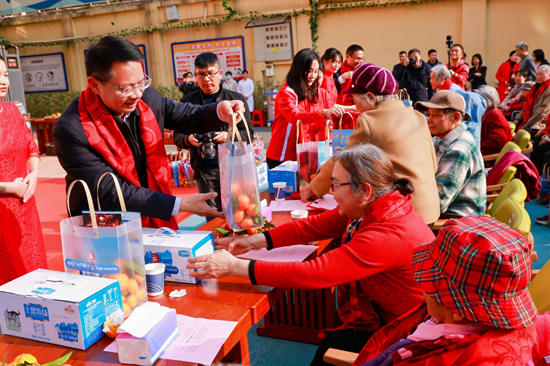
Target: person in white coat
246, 88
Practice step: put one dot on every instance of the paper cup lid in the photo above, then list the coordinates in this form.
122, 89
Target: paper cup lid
154, 268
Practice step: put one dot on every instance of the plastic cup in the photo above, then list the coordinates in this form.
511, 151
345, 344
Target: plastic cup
154, 274
298, 214
279, 189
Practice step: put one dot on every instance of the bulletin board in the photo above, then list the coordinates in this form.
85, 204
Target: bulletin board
43, 73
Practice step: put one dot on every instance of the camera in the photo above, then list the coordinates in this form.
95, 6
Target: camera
413, 60
449, 42
209, 150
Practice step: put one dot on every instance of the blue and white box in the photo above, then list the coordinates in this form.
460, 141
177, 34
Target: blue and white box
173, 247
57, 307
286, 172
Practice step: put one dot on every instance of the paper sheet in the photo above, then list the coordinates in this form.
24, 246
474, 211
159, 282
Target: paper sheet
291, 253
288, 205
327, 202
199, 340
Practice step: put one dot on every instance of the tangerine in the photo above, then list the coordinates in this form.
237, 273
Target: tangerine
252, 210
238, 216
247, 223
244, 202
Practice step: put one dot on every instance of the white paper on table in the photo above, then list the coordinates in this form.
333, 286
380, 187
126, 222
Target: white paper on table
327, 202
143, 319
199, 340
289, 205
291, 253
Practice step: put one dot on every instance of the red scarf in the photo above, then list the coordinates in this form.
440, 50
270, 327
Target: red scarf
106, 138
447, 85
531, 99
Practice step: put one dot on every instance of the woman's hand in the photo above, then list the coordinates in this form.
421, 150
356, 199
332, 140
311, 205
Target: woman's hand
347, 75
218, 264
18, 187
306, 193
241, 244
31, 179
196, 204
478, 74
335, 111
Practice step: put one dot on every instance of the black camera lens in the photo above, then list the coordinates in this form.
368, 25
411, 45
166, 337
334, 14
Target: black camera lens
412, 60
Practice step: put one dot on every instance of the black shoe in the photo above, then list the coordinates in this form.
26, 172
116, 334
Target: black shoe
542, 220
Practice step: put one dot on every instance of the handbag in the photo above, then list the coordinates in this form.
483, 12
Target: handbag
240, 193
341, 137
114, 250
404, 96
311, 155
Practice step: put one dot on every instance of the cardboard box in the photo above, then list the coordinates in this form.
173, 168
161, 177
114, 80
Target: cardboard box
57, 307
173, 248
286, 172
262, 177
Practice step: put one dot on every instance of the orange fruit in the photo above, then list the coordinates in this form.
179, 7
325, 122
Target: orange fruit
237, 189
133, 287
238, 216
243, 202
252, 210
127, 310
140, 279
123, 279
113, 328
132, 301
142, 294
247, 223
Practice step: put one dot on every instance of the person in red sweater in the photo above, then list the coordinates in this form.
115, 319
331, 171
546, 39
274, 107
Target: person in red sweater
495, 129
371, 266
354, 58
477, 311
299, 99
518, 104
505, 73
332, 61
458, 68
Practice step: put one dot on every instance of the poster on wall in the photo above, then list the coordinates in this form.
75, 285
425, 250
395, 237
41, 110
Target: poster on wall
230, 52
141, 48
44, 73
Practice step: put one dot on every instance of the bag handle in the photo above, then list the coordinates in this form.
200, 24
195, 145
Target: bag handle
299, 128
234, 131
90, 206
402, 94
118, 191
327, 130
245, 125
164, 228
340, 123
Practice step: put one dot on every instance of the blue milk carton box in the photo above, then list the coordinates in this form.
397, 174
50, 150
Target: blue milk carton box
57, 307
286, 172
173, 247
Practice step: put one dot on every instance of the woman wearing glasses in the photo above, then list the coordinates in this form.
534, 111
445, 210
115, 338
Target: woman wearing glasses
21, 242
379, 231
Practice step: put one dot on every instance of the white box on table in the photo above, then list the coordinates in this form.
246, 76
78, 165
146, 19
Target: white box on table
162, 246
57, 307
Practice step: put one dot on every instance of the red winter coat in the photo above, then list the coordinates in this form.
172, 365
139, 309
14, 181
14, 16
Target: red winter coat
526, 172
462, 73
330, 87
374, 265
504, 75
495, 131
288, 110
345, 99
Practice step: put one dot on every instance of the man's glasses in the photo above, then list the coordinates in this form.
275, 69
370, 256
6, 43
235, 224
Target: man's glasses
333, 185
131, 89
210, 75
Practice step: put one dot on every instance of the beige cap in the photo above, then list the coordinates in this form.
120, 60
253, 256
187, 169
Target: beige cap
442, 100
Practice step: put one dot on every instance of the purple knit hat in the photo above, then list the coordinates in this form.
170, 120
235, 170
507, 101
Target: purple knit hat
372, 78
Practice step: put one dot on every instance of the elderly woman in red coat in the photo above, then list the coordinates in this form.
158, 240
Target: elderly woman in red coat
371, 266
495, 129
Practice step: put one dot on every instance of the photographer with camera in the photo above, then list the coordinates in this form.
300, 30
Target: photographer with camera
417, 78
202, 145
457, 67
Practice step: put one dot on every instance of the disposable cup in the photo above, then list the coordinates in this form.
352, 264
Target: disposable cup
298, 214
154, 274
279, 189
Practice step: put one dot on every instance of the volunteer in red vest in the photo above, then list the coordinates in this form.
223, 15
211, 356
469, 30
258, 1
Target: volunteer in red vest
458, 68
117, 126
299, 99
379, 230
537, 108
354, 58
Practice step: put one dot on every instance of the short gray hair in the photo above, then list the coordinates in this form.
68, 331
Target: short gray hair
545, 68
441, 70
362, 98
523, 45
490, 94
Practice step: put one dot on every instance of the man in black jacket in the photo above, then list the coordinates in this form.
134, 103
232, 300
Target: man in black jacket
119, 89
205, 164
417, 78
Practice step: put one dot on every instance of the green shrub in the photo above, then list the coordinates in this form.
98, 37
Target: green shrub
171, 92
40, 105
261, 88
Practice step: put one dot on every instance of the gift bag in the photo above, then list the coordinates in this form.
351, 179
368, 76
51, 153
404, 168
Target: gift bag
310, 155
404, 96
340, 137
240, 194
107, 244
544, 185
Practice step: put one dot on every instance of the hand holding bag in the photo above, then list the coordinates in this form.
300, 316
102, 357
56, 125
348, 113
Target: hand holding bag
340, 137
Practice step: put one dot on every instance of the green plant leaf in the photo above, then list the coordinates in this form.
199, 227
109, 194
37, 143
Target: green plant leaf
59, 361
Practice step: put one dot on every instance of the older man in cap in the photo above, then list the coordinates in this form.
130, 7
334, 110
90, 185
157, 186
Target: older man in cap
460, 173
399, 131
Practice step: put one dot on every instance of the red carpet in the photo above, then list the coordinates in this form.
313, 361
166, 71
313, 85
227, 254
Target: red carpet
51, 201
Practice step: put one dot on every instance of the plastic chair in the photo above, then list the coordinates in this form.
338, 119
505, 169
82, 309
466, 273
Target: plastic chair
512, 127
258, 118
515, 190
538, 288
509, 146
513, 214
523, 140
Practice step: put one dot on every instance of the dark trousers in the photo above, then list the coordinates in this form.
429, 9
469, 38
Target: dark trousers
347, 340
540, 154
208, 180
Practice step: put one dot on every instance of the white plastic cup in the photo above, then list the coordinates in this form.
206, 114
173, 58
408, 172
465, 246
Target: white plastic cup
279, 189
298, 214
154, 275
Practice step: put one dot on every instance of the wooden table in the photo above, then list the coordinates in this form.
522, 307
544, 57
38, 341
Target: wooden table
44, 132
235, 348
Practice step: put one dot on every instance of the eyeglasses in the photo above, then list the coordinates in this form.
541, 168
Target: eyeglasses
209, 75
333, 185
131, 89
